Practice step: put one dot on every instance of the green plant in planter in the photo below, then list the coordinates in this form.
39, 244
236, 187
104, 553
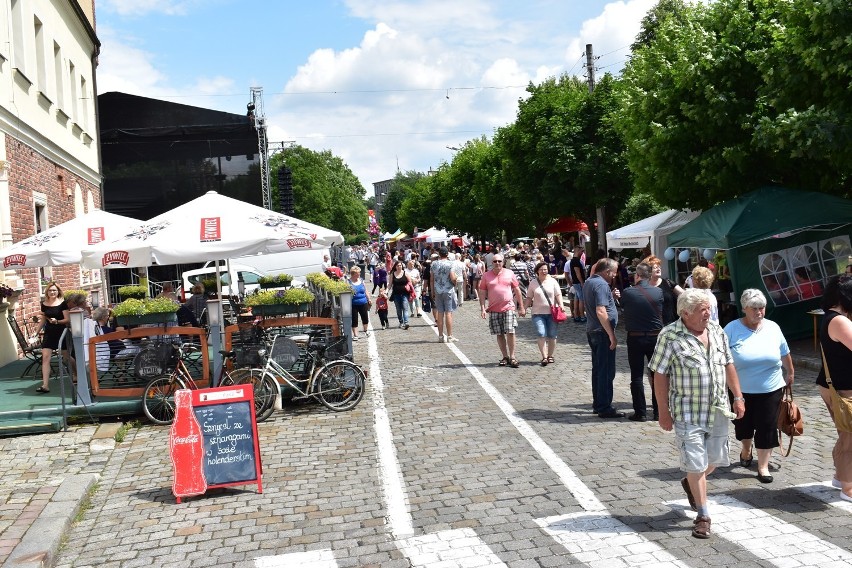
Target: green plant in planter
334, 287
275, 281
136, 307
133, 291
293, 296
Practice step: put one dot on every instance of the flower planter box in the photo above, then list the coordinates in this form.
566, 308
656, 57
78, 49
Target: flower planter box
279, 309
269, 285
170, 317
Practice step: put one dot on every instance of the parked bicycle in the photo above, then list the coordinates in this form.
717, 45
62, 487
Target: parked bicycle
165, 362
337, 384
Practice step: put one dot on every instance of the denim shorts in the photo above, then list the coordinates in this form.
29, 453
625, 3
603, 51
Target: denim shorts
578, 291
545, 325
445, 302
701, 447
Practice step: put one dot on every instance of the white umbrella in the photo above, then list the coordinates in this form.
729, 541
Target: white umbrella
62, 244
439, 236
209, 227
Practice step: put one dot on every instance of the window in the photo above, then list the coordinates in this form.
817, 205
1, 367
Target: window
58, 75
799, 273
72, 82
84, 104
41, 73
835, 254
19, 52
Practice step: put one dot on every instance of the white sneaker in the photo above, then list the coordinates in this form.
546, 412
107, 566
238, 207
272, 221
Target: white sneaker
451, 339
836, 483
354, 338
440, 339
367, 333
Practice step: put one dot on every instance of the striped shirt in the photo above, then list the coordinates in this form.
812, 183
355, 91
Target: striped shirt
697, 378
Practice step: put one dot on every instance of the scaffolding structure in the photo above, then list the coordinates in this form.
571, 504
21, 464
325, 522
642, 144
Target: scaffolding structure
255, 109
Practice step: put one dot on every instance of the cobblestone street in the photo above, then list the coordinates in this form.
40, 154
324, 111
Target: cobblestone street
449, 460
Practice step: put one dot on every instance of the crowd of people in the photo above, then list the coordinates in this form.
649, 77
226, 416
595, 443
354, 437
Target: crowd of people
703, 376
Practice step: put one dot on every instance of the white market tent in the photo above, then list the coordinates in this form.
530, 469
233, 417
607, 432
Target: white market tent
654, 231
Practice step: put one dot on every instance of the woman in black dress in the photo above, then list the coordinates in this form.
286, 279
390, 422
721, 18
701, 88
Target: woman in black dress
54, 319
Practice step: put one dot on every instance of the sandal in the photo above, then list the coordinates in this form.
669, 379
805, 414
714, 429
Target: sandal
550, 360
746, 462
544, 362
503, 362
514, 363
42, 389
701, 527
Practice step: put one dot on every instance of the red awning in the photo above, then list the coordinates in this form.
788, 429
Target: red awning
566, 225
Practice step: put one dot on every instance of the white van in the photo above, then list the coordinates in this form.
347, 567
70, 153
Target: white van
297, 263
247, 274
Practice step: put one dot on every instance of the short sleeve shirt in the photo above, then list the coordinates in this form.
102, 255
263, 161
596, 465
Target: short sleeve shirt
500, 288
596, 292
440, 271
757, 355
697, 379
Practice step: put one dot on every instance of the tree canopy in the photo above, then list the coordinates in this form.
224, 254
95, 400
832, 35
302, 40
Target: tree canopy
325, 191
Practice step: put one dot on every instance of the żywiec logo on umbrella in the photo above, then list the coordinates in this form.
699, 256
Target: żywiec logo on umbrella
15, 260
299, 243
116, 258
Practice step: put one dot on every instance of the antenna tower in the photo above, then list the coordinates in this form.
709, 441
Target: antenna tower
255, 111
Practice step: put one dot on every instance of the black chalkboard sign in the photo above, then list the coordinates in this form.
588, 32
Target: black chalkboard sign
229, 431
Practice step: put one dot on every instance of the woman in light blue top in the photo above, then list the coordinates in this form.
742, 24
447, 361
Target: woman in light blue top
764, 365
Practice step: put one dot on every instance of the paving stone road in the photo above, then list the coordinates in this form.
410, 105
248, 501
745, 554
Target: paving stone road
449, 460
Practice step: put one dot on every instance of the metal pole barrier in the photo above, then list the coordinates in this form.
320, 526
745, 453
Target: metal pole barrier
346, 318
77, 322
214, 319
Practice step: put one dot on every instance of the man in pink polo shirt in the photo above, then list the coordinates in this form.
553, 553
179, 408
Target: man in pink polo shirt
499, 287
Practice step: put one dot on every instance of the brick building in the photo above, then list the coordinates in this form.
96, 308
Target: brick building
49, 145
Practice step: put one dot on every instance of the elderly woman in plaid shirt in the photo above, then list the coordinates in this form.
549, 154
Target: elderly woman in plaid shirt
693, 365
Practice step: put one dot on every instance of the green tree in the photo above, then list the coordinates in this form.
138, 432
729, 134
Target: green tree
421, 207
735, 95
639, 206
325, 191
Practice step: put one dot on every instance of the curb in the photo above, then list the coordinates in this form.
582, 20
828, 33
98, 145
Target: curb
40, 544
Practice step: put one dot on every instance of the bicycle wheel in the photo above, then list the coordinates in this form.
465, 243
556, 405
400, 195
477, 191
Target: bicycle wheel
264, 385
158, 400
339, 385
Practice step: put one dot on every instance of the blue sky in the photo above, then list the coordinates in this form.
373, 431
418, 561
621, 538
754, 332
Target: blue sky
381, 83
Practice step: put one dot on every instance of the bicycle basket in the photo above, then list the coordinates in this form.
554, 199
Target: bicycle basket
248, 356
284, 351
154, 360
336, 348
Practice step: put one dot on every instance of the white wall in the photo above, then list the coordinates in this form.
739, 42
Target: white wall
47, 96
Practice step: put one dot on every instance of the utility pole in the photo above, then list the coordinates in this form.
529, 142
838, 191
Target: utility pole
256, 113
590, 71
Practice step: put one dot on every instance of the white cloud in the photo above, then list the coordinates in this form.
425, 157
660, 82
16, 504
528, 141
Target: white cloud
428, 74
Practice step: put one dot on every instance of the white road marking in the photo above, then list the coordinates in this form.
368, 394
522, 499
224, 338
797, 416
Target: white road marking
390, 473
768, 538
598, 539
460, 548
311, 559
825, 493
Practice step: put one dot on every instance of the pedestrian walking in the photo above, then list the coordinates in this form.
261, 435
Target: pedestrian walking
578, 277
442, 287
543, 293
360, 302
382, 308
692, 366
400, 295
500, 290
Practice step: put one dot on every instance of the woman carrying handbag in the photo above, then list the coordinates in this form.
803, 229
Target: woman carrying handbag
542, 308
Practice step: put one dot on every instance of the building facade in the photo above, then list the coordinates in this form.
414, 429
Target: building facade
49, 145
381, 189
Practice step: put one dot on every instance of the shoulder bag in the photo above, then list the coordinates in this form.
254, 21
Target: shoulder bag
557, 312
841, 407
789, 420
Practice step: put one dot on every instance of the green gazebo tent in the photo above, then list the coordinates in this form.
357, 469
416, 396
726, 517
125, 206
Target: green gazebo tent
783, 241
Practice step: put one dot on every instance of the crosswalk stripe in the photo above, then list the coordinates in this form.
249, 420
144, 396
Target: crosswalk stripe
599, 540
767, 537
459, 548
825, 493
310, 559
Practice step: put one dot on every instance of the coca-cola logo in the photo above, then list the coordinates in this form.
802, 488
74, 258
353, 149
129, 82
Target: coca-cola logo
298, 243
15, 260
116, 258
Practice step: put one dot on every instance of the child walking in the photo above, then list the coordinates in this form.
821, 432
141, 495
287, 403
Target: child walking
382, 308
